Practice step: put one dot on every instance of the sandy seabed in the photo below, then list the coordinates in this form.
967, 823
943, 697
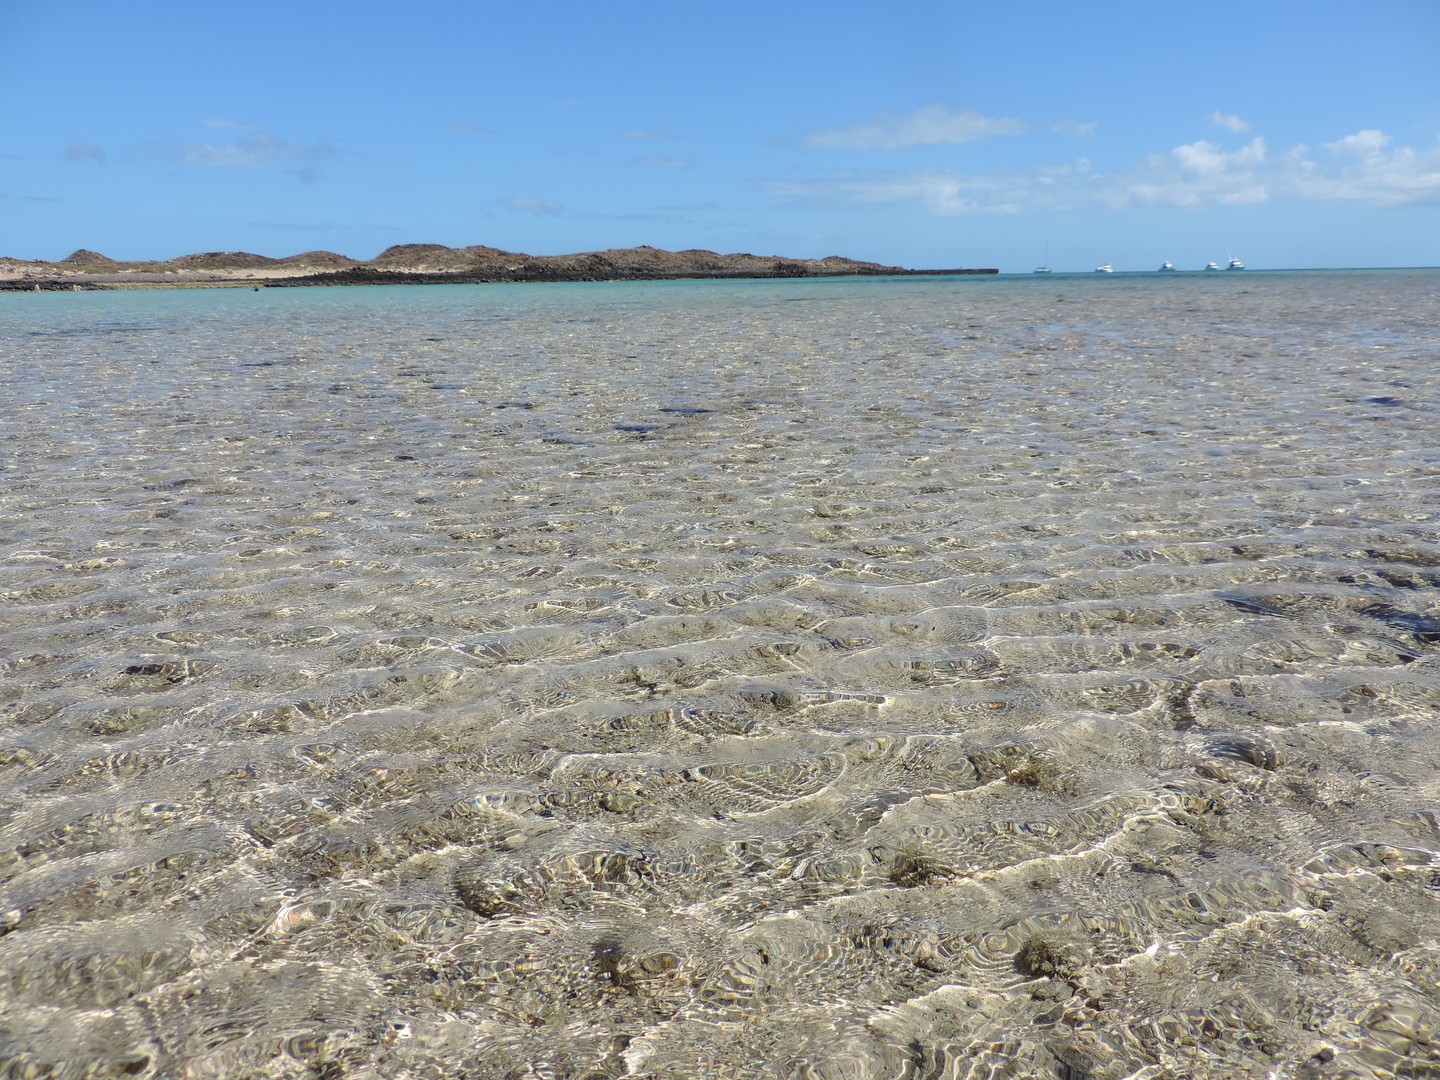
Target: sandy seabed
926, 679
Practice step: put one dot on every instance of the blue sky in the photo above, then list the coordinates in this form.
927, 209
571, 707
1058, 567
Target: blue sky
923, 134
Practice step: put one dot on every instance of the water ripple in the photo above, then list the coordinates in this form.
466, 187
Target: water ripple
596, 682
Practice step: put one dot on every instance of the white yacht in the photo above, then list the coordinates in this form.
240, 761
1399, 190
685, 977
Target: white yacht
1211, 266
1104, 268
1235, 264
1044, 268
1167, 267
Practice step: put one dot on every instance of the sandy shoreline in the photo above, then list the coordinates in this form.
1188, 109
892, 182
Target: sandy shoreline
52, 279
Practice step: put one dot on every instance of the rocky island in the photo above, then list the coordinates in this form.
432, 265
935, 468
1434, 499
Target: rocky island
423, 264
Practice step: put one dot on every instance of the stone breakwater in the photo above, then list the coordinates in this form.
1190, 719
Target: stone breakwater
427, 264
781, 268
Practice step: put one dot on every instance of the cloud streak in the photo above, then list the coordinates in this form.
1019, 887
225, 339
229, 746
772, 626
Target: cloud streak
1364, 167
939, 191
81, 150
931, 126
661, 162
1230, 122
643, 216
252, 148
29, 198
525, 204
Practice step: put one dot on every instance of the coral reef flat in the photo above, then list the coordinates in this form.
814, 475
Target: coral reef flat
881, 677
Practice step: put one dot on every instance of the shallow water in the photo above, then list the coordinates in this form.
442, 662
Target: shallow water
909, 678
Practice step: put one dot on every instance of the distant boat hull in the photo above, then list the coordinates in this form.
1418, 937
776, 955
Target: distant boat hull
1104, 268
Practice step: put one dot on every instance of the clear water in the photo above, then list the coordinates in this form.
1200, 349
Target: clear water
907, 678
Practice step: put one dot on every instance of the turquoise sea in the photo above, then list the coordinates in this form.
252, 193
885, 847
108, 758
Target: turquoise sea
925, 678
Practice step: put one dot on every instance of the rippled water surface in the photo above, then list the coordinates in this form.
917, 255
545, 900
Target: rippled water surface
913, 678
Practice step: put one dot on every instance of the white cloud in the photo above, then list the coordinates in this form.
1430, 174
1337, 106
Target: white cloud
933, 125
525, 204
1362, 167
1207, 159
1230, 122
1076, 127
1197, 174
1365, 144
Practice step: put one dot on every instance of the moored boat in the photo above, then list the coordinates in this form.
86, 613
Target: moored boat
1235, 264
1167, 267
1104, 268
1211, 266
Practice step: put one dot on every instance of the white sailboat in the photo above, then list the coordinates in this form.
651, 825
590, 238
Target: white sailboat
1044, 268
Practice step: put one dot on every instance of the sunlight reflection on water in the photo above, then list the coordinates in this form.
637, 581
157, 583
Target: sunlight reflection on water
964, 677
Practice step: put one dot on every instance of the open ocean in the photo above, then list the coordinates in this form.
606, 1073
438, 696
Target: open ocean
910, 678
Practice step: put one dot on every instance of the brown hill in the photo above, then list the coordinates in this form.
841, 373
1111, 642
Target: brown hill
221, 260
427, 257
426, 263
86, 257
484, 259
649, 262
318, 260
